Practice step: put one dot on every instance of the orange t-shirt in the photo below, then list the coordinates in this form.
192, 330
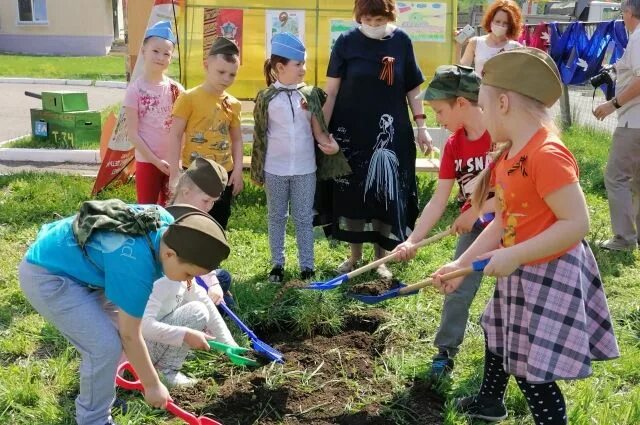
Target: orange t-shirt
543, 166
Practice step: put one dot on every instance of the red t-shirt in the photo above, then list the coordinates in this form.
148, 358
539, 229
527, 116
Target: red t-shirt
463, 159
522, 182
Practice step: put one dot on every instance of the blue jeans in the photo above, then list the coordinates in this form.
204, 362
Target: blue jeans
80, 314
224, 277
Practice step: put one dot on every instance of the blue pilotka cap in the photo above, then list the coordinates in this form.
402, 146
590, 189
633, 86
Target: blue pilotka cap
161, 29
288, 46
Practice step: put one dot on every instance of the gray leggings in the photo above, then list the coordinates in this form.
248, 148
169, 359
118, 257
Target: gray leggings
455, 311
299, 191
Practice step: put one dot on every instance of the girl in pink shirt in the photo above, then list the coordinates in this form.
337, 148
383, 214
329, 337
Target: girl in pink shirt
148, 104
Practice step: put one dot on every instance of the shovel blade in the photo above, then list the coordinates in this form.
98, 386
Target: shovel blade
375, 299
268, 352
329, 284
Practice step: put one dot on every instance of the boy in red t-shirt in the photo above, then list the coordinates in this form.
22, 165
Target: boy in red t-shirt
453, 95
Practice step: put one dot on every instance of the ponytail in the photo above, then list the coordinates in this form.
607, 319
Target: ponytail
269, 69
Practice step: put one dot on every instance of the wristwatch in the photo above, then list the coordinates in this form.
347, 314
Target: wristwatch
615, 103
420, 116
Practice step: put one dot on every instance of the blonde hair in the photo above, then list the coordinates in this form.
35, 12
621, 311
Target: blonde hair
184, 183
533, 110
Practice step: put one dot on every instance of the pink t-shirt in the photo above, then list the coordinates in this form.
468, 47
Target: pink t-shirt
154, 103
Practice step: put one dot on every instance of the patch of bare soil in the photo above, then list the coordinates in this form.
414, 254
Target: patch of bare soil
323, 378
375, 287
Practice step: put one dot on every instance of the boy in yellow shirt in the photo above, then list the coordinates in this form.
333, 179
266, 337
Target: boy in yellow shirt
209, 120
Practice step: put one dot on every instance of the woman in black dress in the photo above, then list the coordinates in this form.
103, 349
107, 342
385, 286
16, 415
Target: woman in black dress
372, 76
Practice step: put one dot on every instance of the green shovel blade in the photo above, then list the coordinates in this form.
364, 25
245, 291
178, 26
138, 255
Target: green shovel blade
234, 353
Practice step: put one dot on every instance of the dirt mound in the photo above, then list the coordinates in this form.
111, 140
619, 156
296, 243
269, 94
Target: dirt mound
325, 380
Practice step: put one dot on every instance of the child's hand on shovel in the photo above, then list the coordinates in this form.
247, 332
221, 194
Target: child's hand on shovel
197, 340
450, 285
406, 251
503, 262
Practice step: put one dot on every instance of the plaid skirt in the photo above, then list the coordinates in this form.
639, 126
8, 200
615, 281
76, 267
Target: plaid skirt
550, 321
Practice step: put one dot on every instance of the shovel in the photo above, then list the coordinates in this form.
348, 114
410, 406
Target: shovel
404, 290
235, 354
260, 347
171, 406
337, 281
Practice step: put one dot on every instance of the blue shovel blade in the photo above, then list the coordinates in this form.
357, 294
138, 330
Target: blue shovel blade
267, 351
375, 299
330, 284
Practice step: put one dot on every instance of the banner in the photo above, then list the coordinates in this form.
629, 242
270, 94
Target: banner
278, 21
424, 22
221, 23
118, 164
337, 27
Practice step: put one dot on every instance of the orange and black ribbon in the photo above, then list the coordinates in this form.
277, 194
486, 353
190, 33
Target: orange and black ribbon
387, 69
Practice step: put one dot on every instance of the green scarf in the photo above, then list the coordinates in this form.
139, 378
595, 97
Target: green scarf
328, 166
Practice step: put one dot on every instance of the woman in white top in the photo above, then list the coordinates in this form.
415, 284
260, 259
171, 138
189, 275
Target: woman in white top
503, 23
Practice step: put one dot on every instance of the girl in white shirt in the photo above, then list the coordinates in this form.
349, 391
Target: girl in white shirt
290, 160
181, 316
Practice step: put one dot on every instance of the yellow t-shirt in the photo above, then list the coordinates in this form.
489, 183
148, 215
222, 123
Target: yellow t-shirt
209, 118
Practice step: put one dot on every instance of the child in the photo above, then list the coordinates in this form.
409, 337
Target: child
201, 186
284, 157
113, 252
209, 118
148, 103
453, 95
548, 319
180, 316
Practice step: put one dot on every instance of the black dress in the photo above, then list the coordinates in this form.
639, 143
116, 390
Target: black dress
370, 121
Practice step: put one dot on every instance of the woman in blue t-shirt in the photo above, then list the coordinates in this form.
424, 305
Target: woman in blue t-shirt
93, 284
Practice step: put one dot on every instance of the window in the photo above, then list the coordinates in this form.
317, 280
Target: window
32, 11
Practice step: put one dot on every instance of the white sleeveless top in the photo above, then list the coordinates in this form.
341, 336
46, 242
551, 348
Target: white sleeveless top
484, 52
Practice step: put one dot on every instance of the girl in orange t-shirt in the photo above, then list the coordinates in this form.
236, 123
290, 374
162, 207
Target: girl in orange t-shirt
548, 318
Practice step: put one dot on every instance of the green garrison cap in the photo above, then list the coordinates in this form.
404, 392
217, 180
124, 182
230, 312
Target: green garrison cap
451, 81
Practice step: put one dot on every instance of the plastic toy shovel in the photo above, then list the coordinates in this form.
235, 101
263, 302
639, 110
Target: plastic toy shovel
235, 354
337, 281
171, 406
260, 347
403, 290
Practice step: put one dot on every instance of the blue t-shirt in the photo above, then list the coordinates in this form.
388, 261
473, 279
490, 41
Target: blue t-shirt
126, 267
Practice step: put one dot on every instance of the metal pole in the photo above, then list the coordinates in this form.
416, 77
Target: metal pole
565, 107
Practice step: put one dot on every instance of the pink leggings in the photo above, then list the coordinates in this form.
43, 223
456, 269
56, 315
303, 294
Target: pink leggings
152, 185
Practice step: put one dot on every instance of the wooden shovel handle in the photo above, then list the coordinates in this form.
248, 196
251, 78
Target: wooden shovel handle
390, 257
416, 286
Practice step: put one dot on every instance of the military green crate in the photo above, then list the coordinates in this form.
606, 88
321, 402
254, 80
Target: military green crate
66, 129
64, 101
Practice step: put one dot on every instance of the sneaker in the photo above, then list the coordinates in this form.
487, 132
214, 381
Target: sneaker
441, 365
276, 275
617, 244
348, 265
488, 410
173, 379
307, 273
384, 272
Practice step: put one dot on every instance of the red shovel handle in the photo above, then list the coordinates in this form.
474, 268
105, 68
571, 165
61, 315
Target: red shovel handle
171, 406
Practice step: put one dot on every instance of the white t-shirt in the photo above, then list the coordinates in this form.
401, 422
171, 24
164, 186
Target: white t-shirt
626, 68
484, 52
290, 143
166, 297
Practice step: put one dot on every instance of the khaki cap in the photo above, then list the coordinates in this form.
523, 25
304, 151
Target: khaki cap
528, 71
223, 46
209, 176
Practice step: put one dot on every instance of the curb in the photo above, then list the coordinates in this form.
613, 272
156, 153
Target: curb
64, 82
50, 155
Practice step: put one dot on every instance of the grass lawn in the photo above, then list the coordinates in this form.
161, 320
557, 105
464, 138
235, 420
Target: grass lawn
39, 380
110, 67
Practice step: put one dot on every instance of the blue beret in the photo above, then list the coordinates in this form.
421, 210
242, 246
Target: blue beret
288, 46
161, 29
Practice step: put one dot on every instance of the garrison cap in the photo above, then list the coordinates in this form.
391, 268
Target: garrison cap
451, 81
208, 175
223, 46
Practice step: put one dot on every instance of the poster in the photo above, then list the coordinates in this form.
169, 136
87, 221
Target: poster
284, 21
423, 21
221, 23
337, 27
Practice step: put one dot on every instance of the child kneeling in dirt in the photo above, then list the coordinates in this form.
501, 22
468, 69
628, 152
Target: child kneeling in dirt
181, 316
112, 252
453, 95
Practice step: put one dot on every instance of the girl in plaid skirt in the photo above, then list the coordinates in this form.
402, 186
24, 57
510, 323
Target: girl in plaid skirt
548, 318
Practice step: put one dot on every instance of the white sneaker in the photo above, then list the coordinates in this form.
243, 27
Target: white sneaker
173, 378
384, 272
617, 244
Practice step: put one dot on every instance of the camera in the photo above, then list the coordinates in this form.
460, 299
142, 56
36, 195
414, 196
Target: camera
606, 77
